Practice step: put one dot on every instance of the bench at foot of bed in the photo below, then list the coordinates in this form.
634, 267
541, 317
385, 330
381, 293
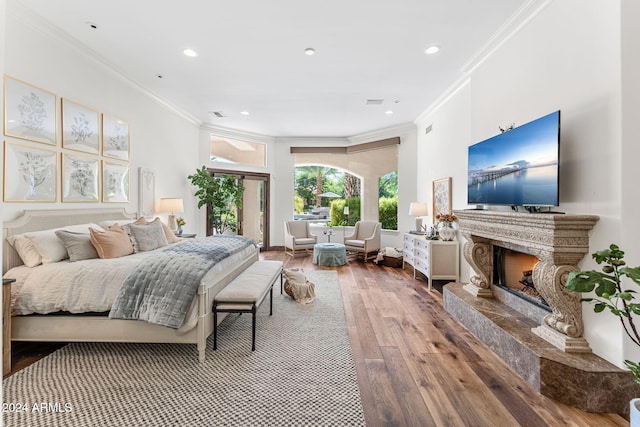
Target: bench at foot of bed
245, 294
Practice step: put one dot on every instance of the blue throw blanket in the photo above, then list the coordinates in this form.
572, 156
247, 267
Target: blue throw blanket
162, 287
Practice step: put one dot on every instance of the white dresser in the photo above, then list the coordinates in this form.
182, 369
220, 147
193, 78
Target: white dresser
436, 259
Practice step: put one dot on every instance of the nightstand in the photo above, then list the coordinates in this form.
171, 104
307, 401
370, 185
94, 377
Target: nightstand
187, 236
6, 325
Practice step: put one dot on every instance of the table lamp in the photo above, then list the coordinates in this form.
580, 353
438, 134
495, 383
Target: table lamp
171, 205
418, 210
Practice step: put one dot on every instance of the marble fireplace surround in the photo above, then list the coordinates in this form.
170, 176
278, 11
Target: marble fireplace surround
551, 354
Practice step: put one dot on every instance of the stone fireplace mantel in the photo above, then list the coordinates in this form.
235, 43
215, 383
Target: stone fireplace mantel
559, 241
549, 352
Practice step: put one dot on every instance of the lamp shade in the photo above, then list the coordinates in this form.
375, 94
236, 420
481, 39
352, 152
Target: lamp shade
417, 209
171, 205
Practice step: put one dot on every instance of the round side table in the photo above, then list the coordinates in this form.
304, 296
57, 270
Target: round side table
329, 254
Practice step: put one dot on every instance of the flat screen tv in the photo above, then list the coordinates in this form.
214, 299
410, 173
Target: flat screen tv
519, 167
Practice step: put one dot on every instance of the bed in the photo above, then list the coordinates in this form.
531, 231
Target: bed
57, 327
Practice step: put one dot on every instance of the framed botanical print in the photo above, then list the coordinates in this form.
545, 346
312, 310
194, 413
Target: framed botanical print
80, 178
441, 197
30, 173
29, 112
146, 191
80, 128
115, 182
115, 138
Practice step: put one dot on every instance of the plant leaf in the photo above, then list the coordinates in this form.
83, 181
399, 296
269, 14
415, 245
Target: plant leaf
586, 281
631, 273
634, 368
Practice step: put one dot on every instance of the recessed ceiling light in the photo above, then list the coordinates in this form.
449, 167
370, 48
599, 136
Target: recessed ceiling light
92, 25
244, 113
432, 49
159, 76
310, 51
190, 52
388, 112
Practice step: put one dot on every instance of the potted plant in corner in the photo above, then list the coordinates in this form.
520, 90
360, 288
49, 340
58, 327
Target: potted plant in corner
220, 194
612, 297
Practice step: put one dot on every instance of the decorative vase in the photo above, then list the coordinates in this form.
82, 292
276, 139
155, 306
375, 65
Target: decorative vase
634, 413
179, 230
446, 231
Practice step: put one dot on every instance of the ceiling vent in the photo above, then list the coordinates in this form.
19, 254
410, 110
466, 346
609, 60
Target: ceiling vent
374, 101
218, 114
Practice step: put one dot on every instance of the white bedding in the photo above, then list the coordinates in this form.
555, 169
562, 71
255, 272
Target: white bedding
88, 285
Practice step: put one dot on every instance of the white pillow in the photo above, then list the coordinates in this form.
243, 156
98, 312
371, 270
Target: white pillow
50, 247
26, 250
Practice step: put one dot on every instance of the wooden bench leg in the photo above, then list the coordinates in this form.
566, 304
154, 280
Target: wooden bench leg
215, 327
253, 328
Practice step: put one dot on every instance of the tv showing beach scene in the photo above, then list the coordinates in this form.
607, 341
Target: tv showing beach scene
518, 167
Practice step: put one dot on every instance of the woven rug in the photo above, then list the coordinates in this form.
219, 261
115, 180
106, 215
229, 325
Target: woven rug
301, 374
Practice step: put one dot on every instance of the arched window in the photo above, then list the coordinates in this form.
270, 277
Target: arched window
364, 167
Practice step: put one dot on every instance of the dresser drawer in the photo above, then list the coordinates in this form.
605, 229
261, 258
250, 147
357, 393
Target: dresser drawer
407, 257
421, 253
422, 265
422, 244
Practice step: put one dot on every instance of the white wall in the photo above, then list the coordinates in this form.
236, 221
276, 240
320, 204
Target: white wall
568, 58
161, 139
2, 40
630, 140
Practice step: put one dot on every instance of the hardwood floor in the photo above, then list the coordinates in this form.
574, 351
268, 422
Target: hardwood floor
416, 365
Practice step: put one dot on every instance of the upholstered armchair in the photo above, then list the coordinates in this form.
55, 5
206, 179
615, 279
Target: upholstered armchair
297, 236
365, 239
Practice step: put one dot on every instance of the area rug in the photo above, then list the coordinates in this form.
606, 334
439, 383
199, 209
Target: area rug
301, 374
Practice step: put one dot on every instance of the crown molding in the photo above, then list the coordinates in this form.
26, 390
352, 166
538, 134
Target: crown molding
223, 132
443, 98
384, 133
519, 20
38, 23
507, 31
309, 140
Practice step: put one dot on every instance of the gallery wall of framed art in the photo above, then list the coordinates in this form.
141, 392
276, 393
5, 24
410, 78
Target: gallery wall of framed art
89, 164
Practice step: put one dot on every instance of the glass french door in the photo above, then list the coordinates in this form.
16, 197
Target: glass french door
253, 217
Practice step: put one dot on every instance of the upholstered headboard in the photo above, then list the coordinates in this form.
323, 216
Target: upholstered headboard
36, 220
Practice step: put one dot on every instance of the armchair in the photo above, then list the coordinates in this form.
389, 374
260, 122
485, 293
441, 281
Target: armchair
365, 239
297, 236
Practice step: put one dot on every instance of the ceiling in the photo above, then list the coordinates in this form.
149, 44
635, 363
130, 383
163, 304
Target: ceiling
252, 59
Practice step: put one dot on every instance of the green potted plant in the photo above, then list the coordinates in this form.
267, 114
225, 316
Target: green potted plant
611, 296
220, 194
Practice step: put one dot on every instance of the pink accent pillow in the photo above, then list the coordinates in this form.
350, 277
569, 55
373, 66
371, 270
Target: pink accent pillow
113, 243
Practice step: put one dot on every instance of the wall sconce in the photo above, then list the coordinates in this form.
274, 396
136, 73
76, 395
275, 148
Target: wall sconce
171, 205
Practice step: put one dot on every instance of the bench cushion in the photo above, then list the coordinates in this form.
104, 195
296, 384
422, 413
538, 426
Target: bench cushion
252, 284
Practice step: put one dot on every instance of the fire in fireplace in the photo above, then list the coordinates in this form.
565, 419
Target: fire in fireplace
513, 271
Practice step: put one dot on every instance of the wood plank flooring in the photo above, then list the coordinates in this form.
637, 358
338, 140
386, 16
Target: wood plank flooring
416, 365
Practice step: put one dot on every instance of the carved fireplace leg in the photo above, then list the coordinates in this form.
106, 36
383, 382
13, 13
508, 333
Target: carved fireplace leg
479, 255
563, 327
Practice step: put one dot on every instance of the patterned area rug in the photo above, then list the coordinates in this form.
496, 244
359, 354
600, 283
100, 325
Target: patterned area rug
301, 374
